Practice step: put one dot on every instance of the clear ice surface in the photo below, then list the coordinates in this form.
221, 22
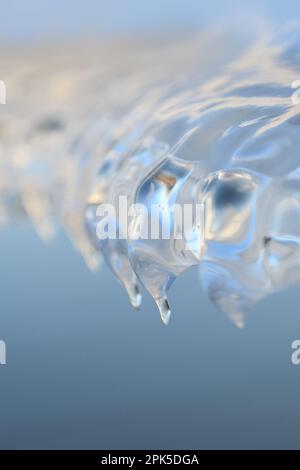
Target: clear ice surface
204, 119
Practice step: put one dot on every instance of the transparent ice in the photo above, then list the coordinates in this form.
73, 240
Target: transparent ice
207, 118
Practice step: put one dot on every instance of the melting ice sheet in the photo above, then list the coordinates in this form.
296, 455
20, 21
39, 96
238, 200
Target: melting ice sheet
210, 119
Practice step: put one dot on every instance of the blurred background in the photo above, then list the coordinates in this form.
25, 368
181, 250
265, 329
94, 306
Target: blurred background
84, 370
36, 20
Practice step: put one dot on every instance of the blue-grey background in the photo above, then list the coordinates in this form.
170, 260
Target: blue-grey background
86, 371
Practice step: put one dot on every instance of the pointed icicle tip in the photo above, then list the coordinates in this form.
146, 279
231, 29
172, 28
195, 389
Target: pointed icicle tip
238, 318
164, 309
134, 295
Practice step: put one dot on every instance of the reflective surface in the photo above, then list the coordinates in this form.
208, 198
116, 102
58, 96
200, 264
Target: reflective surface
84, 370
180, 127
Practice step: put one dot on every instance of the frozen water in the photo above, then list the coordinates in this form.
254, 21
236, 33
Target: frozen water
208, 119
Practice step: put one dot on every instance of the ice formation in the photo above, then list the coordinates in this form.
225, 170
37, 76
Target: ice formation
204, 119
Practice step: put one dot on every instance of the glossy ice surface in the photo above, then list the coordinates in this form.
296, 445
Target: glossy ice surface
211, 118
